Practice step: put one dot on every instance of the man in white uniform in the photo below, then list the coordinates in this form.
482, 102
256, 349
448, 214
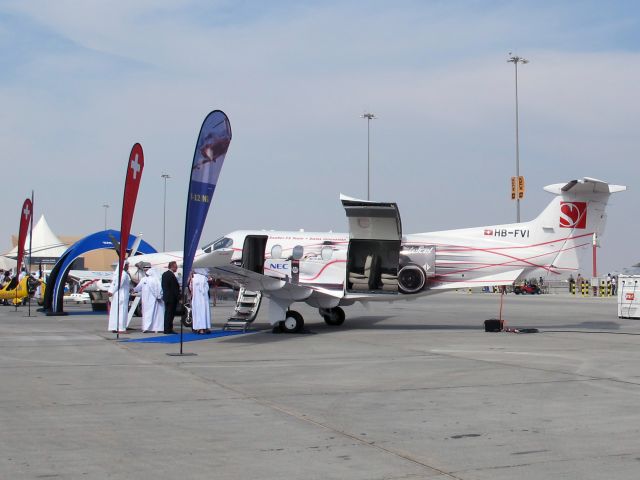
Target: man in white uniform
200, 310
118, 313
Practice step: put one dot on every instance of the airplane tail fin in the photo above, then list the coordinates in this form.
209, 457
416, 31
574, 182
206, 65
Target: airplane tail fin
570, 220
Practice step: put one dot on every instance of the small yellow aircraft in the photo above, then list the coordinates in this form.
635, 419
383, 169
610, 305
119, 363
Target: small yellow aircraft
9, 294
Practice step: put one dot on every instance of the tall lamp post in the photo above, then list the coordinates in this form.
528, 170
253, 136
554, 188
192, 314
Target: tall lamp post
165, 176
369, 117
516, 60
105, 206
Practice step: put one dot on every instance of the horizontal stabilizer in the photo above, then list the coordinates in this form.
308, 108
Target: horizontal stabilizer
585, 186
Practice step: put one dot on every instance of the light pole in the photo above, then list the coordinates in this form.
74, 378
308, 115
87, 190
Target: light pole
105, 206
164, 211
369, 117
516, 60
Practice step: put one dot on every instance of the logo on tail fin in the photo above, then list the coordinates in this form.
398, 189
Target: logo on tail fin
573, 214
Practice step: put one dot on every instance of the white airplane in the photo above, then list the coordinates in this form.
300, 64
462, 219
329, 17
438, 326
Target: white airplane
376, 262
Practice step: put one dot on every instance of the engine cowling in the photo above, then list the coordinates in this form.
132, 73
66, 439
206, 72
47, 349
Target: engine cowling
411, 279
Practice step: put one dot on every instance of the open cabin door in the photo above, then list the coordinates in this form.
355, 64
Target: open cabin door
375, 234
253, 252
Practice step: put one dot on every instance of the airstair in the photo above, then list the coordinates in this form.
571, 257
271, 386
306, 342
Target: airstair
247, 307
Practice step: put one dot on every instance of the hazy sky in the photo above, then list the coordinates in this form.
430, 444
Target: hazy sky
81, 81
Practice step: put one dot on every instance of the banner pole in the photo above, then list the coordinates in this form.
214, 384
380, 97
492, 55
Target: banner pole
25, 217
118, 291
211, 148
181, 353
30, 252
133, 176
181, 328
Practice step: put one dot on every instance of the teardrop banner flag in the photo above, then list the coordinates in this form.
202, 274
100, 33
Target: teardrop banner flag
131, 186
211, 148
25, 220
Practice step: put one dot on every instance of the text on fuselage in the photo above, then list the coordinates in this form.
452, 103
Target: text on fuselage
503, 232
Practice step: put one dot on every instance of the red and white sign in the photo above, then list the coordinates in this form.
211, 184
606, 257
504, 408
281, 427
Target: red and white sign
131, 186
630, 296
25, 220
573, 214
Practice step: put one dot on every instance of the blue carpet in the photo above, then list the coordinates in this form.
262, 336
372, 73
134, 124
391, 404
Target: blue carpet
186, 337
86, 312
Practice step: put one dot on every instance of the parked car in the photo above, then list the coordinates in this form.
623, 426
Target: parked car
526, 288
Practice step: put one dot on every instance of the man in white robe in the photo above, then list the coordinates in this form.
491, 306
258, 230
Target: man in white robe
200, 310
119, 310
148, 299
157, 325
152, 304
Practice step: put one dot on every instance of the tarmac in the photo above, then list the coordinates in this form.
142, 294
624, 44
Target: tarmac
409, 390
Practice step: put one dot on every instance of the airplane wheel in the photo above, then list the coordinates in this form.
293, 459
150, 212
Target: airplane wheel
293, 323
334, 316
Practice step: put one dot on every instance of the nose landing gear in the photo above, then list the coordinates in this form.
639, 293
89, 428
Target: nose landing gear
293, 322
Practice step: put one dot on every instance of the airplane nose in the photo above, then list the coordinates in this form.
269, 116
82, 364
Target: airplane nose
217, 258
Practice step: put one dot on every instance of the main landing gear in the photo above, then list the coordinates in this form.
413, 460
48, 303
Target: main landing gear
333, 316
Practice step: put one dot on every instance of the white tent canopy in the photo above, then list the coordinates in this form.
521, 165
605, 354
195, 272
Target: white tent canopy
45, 242
7, 263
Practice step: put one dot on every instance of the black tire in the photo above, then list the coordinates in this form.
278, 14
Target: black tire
334, 317
99, 307
293, 322
187, 318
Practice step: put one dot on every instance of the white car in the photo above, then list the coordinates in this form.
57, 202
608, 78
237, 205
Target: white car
78, 297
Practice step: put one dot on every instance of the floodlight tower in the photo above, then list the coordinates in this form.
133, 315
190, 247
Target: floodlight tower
165, 176
369, 117
105, 206
516, 60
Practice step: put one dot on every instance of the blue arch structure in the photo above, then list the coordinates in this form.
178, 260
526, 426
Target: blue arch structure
53, 302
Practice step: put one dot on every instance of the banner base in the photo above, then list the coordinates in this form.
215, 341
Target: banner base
182, 354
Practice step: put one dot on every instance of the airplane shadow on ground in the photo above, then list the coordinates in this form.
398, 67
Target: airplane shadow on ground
377, 323
367, 323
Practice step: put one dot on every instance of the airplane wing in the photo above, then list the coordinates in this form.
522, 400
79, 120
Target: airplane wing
502, 278
269, 286
93, 279
83, 275
218, 264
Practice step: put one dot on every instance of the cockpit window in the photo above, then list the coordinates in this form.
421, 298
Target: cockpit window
224, 242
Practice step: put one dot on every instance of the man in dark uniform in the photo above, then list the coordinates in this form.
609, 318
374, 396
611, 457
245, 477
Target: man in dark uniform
170, 295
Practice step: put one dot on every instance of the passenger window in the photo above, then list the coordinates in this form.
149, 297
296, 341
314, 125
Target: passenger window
298, 251
326, 253
276, 251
